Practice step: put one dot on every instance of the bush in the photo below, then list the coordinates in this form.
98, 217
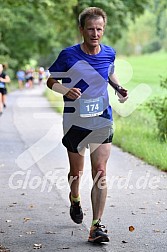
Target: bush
159, 107
153, 46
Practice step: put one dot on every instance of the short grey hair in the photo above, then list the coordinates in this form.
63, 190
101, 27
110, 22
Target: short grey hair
91, 12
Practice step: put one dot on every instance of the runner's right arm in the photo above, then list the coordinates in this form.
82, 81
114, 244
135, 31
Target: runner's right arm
73, 93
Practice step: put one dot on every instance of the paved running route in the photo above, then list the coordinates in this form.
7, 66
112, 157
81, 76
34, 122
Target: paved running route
34, 206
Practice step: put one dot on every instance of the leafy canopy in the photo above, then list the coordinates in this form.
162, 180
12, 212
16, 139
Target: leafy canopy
38, 29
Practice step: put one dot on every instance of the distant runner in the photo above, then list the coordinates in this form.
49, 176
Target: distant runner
3, 90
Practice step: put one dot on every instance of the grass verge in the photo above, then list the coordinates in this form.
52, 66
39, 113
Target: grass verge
137, 135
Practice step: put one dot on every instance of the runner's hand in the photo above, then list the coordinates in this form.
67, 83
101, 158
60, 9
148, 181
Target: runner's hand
122, 99
73, 93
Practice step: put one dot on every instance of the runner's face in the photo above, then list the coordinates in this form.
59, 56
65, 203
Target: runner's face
92, 31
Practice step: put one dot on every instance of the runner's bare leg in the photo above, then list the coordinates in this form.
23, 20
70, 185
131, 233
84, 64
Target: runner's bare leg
99, 159
76, 169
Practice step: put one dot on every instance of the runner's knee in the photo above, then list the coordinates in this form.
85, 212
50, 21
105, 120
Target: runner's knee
100, 172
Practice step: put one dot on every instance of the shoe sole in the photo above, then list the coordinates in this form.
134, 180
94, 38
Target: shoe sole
77, 222
99, 239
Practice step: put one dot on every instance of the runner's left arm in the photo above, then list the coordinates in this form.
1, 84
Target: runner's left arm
119, 90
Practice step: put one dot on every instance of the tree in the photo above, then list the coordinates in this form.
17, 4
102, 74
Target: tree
36, 29
117, 12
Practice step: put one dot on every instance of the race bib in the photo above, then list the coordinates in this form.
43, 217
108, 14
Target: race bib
91, 107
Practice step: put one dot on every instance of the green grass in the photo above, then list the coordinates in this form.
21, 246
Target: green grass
137, 133
148, 69
55, 99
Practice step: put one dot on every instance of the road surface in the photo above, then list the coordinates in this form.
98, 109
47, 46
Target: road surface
34, 206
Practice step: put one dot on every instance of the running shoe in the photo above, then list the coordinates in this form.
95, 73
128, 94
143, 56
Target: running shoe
98, 234
76, 211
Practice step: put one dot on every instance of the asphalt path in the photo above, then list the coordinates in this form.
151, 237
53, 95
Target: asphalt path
34, 205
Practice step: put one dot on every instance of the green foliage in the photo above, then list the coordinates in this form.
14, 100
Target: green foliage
147, 33
153, 46
40, 29
159, 8
117, 11
10, 64
159, 107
